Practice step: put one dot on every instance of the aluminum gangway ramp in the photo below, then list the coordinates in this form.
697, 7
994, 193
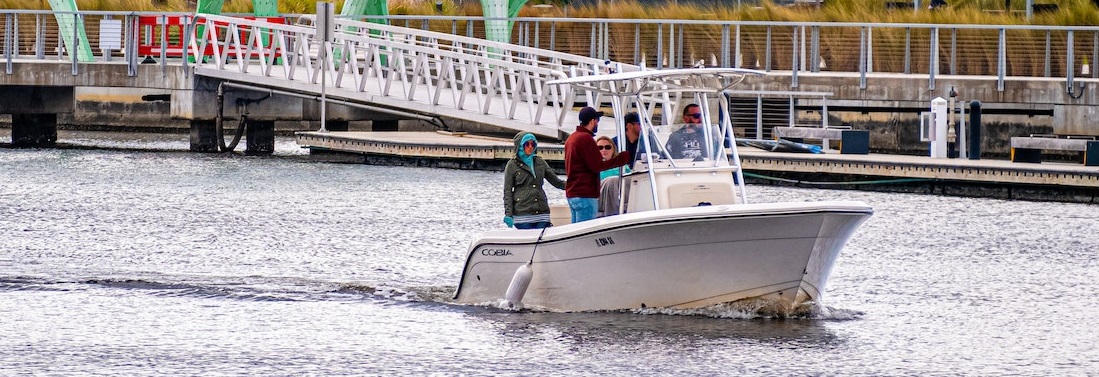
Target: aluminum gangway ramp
403, 69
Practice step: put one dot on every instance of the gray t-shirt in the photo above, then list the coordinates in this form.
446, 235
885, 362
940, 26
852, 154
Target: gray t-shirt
686, 144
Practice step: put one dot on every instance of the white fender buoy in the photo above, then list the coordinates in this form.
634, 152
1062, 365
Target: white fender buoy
519, 283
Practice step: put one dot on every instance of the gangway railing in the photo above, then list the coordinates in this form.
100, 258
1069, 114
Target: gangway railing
795, 48
1000, 51
421, 71
872, 51
162, 36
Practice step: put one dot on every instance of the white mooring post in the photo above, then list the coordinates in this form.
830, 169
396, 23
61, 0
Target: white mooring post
938, 127
325, 23
962, 132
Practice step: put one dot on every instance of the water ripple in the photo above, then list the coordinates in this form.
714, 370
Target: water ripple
165, 262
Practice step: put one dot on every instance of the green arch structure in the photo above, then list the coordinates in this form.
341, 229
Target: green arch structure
260, 8
269, 8
65, 26
500, 30
353, 9
495, 30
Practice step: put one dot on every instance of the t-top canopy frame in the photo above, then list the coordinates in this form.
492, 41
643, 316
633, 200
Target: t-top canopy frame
647, 89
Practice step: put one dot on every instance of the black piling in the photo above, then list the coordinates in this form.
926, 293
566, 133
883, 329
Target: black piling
33, 130
261, 138
974, 137
204, 136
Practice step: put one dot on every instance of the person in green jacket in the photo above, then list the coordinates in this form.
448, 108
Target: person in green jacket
525, 204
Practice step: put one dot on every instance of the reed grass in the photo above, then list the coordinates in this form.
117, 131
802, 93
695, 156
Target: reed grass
230, 6
976, 51
1069, 12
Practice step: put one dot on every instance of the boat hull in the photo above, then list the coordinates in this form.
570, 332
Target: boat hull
678, 258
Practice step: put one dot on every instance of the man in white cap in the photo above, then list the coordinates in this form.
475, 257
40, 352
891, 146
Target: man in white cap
583, 164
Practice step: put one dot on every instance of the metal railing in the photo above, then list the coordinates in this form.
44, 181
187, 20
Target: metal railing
1000, 51
933, 50
36, 35
414, 69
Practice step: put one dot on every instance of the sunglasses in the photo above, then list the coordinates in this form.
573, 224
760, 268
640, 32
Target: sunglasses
606, 147
696, 116
528, 144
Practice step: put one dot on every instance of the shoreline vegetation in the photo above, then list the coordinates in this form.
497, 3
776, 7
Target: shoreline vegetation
991, 12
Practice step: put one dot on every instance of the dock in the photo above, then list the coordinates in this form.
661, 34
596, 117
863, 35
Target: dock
458, 150
1048, 181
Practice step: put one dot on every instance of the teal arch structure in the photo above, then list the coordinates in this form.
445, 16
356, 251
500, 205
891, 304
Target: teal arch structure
497, 29
260, 8
354, 9
75, 39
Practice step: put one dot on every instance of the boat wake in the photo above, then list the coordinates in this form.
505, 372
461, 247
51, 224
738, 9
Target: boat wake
255, 288
244, 288
742, 309
759, 309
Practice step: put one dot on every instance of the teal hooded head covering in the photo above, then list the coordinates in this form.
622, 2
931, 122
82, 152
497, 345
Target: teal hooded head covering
520, 139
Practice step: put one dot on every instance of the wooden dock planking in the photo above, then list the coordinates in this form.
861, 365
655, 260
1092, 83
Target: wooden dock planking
424, 144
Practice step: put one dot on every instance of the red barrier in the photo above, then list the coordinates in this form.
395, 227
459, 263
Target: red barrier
174, 27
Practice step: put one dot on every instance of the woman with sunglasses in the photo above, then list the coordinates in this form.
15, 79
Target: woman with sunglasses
609, 189
608, 150
525, 203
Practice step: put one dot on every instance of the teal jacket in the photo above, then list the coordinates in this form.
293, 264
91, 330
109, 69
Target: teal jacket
523, 194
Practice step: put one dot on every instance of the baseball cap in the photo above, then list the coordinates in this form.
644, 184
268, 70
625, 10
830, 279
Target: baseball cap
632, 118
587, 114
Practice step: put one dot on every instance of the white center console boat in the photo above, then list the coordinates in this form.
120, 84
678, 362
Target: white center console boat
686, 235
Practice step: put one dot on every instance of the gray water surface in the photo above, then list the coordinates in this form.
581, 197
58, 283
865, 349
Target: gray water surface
158, 262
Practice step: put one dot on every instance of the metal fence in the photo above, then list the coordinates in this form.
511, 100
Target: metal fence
864, 48
793, 47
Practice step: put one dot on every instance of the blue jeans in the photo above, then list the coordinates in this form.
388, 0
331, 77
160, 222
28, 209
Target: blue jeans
583, 209
537, 225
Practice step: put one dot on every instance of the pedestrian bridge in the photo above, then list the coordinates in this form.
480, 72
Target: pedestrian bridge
399, 69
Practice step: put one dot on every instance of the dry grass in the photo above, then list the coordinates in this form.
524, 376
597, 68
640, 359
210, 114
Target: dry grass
975, 51
1070, 12
230, 6
106, 5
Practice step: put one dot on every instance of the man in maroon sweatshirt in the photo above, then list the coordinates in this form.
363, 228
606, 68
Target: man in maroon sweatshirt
583, 164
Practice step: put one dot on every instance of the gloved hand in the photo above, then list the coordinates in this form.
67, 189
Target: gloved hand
508, 220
